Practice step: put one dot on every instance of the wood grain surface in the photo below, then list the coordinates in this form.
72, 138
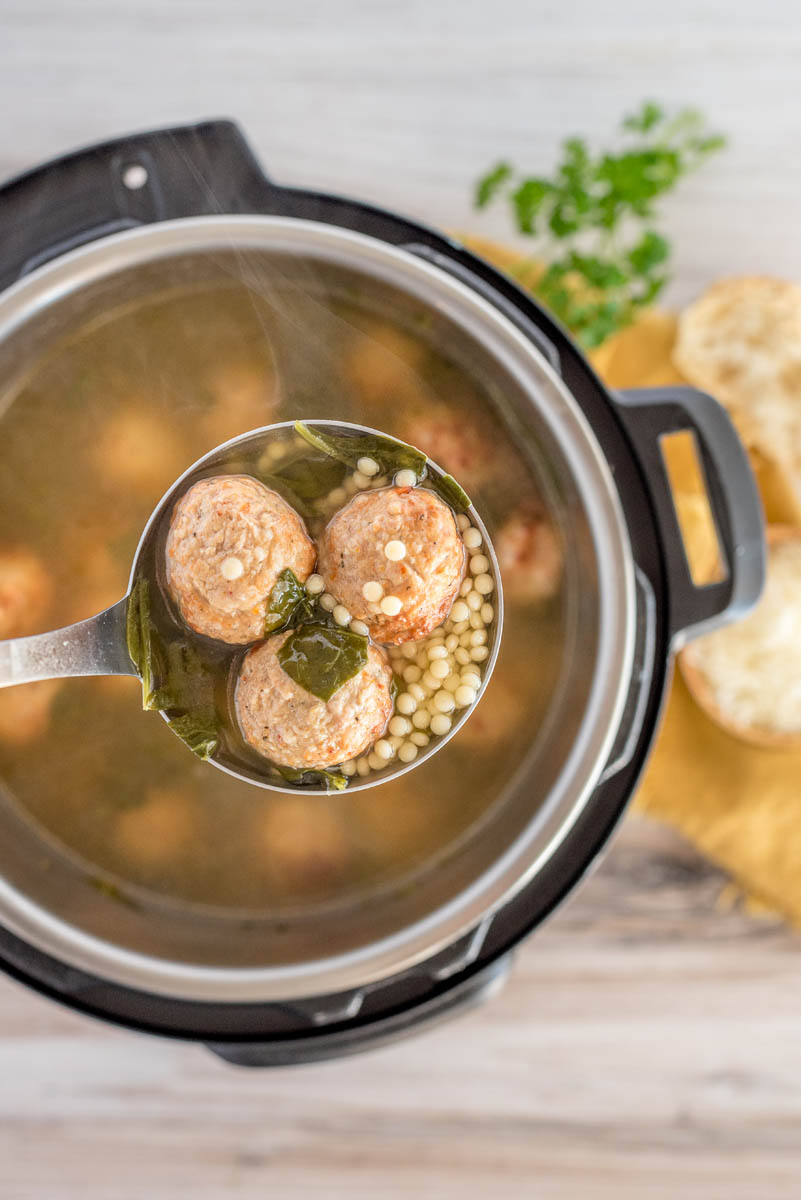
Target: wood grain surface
647, 1045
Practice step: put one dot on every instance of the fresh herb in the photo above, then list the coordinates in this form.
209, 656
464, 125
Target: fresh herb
451, 492
391, 455
321, 659
593, 217
139, 636
334, 781
289, 603
200, 734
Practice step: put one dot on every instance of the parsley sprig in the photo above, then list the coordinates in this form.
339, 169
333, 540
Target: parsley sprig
593, 217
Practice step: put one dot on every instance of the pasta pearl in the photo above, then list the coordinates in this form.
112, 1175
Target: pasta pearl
395, 550
408, 752
444, 702
406, 704
315, 584
405, 478
440, 724
391, 605
368, 466
373, 591
399, 726
472, 538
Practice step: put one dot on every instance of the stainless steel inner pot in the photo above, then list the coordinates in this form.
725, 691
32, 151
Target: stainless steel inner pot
192, 954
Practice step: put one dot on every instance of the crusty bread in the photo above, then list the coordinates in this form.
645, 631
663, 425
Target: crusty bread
747, 676
741, 341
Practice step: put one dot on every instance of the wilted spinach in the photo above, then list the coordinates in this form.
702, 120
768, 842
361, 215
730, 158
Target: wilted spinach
320, 658
390, 454
288, 604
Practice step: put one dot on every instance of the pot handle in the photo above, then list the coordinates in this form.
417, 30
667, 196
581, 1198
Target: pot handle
190, 170
648, 414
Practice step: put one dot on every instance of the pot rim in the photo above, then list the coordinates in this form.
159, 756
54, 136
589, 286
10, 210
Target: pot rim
555, 817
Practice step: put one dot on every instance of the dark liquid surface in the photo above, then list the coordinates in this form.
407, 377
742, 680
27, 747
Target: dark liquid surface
101, 429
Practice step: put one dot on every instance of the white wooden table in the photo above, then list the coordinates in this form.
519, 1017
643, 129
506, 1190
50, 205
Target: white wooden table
647, 1044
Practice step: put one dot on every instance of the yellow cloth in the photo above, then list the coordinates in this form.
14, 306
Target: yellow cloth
740, 805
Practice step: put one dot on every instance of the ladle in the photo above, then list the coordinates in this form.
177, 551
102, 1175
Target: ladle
98, 646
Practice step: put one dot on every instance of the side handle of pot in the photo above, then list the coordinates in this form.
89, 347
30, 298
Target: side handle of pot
650, 414
190, 170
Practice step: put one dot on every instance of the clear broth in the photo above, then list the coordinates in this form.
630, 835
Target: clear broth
101, 429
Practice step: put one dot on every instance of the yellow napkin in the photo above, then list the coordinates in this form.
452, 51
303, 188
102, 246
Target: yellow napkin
739, 804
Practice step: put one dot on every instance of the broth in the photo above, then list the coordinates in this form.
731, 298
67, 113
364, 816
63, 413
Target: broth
102, 427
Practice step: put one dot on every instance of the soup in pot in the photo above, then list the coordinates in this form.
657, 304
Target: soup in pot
89, 440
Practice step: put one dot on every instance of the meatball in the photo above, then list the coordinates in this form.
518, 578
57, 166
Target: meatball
25, 591
381, 364
230, 538
25, 711
459, 445
244, 398
138, 450
529, 556
157, 832
395, 559
293, 728
303, 841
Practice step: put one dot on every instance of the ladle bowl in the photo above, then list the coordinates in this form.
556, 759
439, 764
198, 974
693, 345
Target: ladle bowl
98, 645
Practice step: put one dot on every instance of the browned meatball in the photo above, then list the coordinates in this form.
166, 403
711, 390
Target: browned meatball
25, 591
463, 446
293, 728
359, 548
303, 842
25, 711
230, 538
529, 556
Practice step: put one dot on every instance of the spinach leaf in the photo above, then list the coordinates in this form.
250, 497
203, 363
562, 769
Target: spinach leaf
286, 492
198, 733
451, 492
390, 454
312, 476
289, 603
139, 637
334, 781
187, 686
321, 659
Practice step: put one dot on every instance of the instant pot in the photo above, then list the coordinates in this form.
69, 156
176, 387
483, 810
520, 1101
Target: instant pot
78, 233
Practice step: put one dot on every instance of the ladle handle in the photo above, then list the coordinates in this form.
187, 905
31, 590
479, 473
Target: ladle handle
93, 647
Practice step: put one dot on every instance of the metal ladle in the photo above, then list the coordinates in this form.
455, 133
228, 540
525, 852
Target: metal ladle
98, 645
